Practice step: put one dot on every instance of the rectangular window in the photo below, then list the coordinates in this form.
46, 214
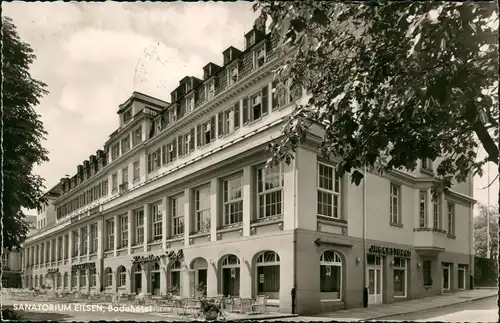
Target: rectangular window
180, 146
110, 230
137, 170
93, 277
270, 181
233, 200
139, 226
172, 151
427, 164
233, 75
260, 57
104, 189
422, 214
114, 182
93, 238
400, 277
395, 203
426, 264
76, 244
281, 96
123, 231
127, 116
220, 124
126, 144
85, 241
157, 218
189, 142
436, 211
115, 151
208, 132
137, 136
328, 191
154, 161
236, 115
210, 90
245, 111
177, 208
202, 209
83, 278
451, 218
125, 175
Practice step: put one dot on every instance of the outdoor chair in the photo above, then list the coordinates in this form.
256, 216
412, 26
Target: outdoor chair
246, 305
260, 304
192, 306
235, 306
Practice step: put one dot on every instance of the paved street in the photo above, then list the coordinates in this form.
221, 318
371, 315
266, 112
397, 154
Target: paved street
484, 310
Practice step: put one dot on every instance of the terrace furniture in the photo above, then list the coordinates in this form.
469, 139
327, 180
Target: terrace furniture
246, 305
192, 306
260, 304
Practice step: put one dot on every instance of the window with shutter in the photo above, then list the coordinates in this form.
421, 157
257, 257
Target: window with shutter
198, 136
180, 145
265, 101
236, 115
212, 125
220, 124
191, 140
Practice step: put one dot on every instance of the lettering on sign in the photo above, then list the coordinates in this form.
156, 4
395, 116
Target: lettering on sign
143, 259
175, 255
52, 270
389, 251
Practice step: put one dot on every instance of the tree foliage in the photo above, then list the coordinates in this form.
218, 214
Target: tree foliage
22, 135
402, 81
480, 230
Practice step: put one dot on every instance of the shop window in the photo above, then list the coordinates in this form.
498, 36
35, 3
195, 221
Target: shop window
400, 277
331, 275
268, 274
461, 277
426, 265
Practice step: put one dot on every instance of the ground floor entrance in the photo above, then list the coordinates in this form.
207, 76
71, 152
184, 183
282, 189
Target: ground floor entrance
374, 279
446, 277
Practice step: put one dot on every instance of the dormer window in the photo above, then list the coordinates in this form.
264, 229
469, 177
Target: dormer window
210, 90
233, 75
127, 116
158, 125
250, 40
173, 114
260, 57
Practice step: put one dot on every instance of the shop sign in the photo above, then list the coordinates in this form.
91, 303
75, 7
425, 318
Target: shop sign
143, 259
175, 255
261, 278
87, 265
52, 270
389, 251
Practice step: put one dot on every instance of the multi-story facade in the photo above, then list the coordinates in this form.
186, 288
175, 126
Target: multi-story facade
11, 260
180, 196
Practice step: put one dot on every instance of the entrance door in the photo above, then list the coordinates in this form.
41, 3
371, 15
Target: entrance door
374, 286
138, 282
202, 276
446, 278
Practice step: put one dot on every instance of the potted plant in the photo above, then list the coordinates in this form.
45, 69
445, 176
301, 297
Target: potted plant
210, 308
174, 290
201, 289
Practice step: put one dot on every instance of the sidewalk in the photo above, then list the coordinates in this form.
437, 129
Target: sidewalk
411, 306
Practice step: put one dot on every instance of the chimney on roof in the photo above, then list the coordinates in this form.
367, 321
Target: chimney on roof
260, 22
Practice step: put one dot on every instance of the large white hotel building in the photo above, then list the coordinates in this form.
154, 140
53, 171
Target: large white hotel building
180, 195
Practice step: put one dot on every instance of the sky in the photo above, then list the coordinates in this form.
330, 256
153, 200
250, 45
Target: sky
94, 55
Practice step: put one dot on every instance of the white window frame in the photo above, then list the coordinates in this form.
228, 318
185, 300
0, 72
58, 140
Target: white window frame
436, 211
464, 269
125, 175
335, 262
110, 232
190, 104
122, 277
422, 211
108, 273
94, 237
125, 143
178, 211
115, 151
157, 221
334, 193
268, 173
114, 182
187, 143
136, 170
139, 226
402, 264
232, 201
253, 103
228, 121
127, 116
123, 231
83, 278
207, 131
137, 136
451, 218
395, 203
201, 215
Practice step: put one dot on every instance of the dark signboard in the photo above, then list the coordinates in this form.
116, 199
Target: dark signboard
87, 265
389, 251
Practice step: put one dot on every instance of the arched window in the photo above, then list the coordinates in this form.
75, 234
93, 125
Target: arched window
122, 276
108, 277
268, 274
230, 267
175, 277
138, 269
331, 275
155, 279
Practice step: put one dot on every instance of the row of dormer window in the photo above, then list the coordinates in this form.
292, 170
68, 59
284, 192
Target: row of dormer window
90, 195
